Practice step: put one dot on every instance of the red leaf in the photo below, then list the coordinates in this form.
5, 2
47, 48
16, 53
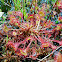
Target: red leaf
49, 35
42, 40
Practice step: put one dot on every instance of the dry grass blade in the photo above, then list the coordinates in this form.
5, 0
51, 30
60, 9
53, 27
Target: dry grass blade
48, 54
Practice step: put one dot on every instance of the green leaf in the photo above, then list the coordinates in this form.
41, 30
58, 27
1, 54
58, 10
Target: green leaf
14, 2
23, 4
25, 14
46, 17
2, 1
47, 1
54, 1
19, 18
61, 29
21, 10
56, 22
18, 3
7, 39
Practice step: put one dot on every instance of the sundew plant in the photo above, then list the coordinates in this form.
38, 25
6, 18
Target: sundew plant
30, 30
